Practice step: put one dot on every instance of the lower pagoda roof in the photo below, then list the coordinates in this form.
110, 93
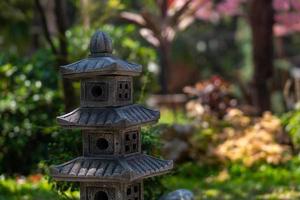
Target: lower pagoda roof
124, 169
109, 117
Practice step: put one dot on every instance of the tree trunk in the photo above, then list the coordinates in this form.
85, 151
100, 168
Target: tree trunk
62, 55
85, 4
261, 15
164, 59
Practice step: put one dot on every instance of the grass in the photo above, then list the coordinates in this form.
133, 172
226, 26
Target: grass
11, 189
239, 182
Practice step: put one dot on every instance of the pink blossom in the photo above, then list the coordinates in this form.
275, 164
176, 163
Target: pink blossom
207, 13
280, 30
230, 7
288, 19
281, 5
295, 4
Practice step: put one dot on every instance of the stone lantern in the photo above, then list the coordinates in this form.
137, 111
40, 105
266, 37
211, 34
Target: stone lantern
112, 166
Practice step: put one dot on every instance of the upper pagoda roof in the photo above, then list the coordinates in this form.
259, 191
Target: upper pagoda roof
115, 169
100, 62
109, 117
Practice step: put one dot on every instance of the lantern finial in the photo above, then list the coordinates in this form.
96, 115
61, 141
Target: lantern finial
100, 43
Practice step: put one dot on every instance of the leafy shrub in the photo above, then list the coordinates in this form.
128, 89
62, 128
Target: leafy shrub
151, 145
125, 45
29, 102
34, 187
211, 97
30, 98
291, 121
240, 138
254, 141
226, 133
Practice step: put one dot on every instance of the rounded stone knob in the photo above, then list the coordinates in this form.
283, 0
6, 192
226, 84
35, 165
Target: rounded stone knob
100, 43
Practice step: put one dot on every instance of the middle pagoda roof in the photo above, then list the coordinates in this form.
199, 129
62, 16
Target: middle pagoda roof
109, 117
100, 62
113, 169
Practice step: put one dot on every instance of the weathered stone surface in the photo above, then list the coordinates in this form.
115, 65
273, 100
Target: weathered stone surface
181, 194
112, 166
100, 65
100, 43
106, 91
111, 191
111, 169
100, 62
111, 142
109, 117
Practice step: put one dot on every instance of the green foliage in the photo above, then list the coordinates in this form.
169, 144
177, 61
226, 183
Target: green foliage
151, 145
66, 146
237, 181
25, 190
207, 182
15, 18
176, 116
125, 45
29, 102
153, 188
291, 121
150, 139
30, 99
100, 12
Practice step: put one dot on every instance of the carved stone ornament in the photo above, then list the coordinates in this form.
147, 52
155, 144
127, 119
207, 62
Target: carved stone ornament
112, 166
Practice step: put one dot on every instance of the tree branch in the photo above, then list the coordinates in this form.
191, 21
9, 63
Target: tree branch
61, 23
163, 5
45, 26
152, 23
62, 56
133, 18
174, 18
144, 20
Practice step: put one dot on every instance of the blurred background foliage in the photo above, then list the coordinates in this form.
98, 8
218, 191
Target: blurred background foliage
231, 127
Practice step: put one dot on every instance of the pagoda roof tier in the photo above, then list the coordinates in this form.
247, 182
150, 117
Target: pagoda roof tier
115, 169
103, 64
109, 117
101, 61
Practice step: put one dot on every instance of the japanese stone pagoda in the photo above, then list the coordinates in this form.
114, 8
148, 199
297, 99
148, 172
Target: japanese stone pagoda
112, 166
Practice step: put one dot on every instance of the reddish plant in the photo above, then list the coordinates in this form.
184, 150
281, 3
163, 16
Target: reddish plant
214, 95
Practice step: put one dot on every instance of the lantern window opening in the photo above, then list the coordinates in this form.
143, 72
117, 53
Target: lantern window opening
133, 192
102, 143
131, 141
101, 195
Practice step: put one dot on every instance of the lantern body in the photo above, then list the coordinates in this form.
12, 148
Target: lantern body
112, 166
